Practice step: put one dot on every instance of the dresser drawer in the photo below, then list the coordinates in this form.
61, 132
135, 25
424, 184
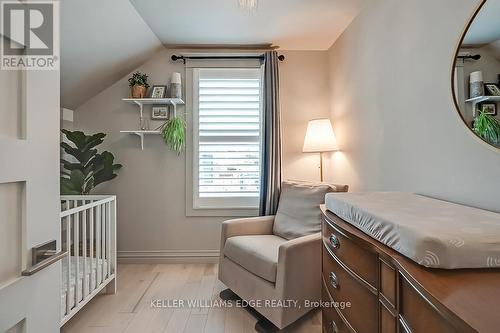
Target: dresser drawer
388, 323
363, 312
331, 321
418, 316
361, 261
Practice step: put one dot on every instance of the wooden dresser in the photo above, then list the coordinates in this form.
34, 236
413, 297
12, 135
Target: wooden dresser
390, 293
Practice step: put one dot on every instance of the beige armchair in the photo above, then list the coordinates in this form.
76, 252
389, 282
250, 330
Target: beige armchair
277, 275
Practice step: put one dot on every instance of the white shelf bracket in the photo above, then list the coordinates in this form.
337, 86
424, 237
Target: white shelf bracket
175, 108
141, 135
140, 102
141, 117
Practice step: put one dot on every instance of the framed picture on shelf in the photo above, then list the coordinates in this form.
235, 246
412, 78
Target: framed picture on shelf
492, 89
159, 112
489, 109
158, 91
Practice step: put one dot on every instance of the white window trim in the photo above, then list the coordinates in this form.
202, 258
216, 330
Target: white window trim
193, 206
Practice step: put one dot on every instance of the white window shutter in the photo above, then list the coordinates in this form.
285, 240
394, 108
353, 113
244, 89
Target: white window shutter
228, 137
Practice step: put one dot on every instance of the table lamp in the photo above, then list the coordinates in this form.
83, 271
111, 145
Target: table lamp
320, 139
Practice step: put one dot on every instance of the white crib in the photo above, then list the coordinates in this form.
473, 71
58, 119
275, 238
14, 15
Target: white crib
88, 227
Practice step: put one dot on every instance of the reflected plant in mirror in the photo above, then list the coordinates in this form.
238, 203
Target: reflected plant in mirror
476, 76
488, 128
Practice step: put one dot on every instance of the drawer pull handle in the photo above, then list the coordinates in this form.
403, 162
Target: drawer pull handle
333, 280
335, 328
334, 240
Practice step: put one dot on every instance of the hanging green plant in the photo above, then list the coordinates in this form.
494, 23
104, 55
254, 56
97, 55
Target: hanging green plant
174, 134
488, 128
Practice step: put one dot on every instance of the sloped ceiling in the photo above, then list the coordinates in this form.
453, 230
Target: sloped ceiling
291, 24
485, 28
101, 41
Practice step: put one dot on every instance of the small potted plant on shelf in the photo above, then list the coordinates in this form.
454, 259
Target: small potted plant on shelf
138, 83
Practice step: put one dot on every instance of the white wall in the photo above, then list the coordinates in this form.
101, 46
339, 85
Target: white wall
150, 187
392, 106
304, 96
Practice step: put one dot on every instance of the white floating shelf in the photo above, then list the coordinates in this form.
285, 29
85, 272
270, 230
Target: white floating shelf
476, 100
154, 101
141, 134
483, 99
140, 102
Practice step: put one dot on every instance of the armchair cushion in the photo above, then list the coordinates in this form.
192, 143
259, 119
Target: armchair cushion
258, 254
298, 211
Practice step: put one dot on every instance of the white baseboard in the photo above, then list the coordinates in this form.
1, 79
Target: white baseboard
168, 256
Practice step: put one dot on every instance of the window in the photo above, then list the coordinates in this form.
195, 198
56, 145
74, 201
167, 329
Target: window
227, 138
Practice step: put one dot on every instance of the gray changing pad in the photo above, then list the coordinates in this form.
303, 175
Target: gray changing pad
431, 232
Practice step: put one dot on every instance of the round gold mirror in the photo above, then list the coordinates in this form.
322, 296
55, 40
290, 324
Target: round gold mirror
476, 75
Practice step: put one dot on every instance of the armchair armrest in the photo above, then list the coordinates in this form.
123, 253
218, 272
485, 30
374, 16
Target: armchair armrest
299, 268
262, 225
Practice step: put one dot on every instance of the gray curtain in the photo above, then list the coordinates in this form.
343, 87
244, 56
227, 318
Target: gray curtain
271, 150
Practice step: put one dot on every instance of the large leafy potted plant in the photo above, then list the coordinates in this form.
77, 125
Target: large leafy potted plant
138, 83
86, 168
488, 128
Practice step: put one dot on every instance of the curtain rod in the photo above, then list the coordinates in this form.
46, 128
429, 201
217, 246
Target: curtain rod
184, 58
473, 57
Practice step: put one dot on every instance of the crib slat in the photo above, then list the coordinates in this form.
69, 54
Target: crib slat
91, 248
103, 239
84, 239
113, 238
103, 242
68, 273
76, 251
98, 244
108, 234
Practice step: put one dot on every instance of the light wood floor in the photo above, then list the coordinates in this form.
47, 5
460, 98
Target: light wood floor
130, 310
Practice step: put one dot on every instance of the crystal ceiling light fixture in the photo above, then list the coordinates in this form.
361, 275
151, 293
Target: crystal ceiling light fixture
248, 4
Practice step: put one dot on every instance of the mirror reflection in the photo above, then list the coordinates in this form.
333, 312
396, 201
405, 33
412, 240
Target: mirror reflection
477, 74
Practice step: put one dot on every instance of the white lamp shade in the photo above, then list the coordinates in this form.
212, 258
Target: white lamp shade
319, 137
